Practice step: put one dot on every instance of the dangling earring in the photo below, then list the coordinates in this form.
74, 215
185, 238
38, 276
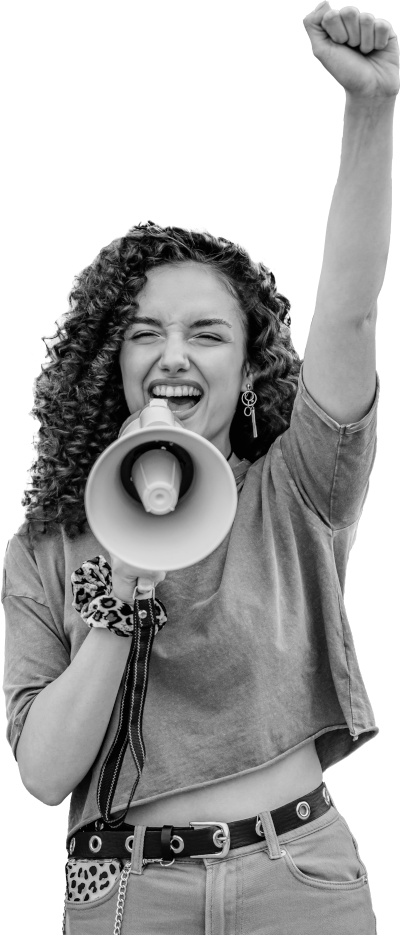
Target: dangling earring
249, 399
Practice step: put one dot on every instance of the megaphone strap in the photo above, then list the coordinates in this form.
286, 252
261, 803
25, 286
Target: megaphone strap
91, 583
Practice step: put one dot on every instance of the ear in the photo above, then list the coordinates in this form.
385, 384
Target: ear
248, 377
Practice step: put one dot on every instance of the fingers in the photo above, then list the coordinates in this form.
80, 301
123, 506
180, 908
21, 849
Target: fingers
350, 16
125, 578
358, 30
333, 24
383, 32
367, 30
313, 20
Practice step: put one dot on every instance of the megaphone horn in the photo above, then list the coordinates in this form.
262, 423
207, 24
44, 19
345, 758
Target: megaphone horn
160, 496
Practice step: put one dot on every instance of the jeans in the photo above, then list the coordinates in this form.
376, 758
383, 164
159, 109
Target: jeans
310, 881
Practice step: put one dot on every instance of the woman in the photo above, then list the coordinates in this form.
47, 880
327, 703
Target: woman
253, 684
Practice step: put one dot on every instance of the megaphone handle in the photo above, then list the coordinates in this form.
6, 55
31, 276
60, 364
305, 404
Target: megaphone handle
145, 586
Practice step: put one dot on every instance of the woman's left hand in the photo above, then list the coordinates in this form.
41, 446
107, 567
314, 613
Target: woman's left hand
361, 52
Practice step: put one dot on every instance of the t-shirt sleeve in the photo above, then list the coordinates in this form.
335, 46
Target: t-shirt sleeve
36, 652
330, 463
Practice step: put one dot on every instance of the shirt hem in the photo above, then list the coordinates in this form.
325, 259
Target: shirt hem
120, 806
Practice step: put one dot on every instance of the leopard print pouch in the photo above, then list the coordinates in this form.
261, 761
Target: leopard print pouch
88, 880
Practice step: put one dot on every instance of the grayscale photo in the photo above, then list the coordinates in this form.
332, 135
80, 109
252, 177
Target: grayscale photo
200, 508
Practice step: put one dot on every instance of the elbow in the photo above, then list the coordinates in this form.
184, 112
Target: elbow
43, 795
38, 789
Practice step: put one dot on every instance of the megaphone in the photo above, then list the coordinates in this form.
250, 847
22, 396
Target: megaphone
160, 497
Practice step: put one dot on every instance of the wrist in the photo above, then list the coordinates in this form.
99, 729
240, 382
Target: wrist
370, 103
107, 636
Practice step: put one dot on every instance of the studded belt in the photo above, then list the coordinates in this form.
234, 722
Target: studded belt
200, 839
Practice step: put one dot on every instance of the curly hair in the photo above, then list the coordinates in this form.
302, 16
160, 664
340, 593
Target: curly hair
78, 396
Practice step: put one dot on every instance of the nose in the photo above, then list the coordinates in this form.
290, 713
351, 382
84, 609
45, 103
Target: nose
174, 356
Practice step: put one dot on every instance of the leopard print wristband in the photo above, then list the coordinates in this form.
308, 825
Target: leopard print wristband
91, 588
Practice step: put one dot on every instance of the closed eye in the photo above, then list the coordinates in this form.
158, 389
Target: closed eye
152, 334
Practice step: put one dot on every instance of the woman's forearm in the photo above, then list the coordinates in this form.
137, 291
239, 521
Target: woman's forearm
66, 723
358, 229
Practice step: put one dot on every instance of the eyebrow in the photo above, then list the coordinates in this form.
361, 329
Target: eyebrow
200, 321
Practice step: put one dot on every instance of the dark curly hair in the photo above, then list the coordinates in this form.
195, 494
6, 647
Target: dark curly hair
79, 399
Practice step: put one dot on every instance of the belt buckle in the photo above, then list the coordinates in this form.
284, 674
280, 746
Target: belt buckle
221, 837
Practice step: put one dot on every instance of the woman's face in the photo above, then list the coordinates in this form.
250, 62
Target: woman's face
187, 330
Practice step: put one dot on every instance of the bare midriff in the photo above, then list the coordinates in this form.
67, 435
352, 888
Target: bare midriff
243, 796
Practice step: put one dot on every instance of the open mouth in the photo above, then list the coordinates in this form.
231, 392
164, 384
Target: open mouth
183, 405
179, 404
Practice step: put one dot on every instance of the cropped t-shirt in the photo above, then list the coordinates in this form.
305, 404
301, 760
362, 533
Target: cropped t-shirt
257, 657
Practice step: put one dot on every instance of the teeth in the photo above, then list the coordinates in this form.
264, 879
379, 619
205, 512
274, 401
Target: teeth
164, 390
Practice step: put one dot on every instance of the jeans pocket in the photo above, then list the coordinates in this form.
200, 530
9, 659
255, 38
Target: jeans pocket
326, 857
90, 880
355, 845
